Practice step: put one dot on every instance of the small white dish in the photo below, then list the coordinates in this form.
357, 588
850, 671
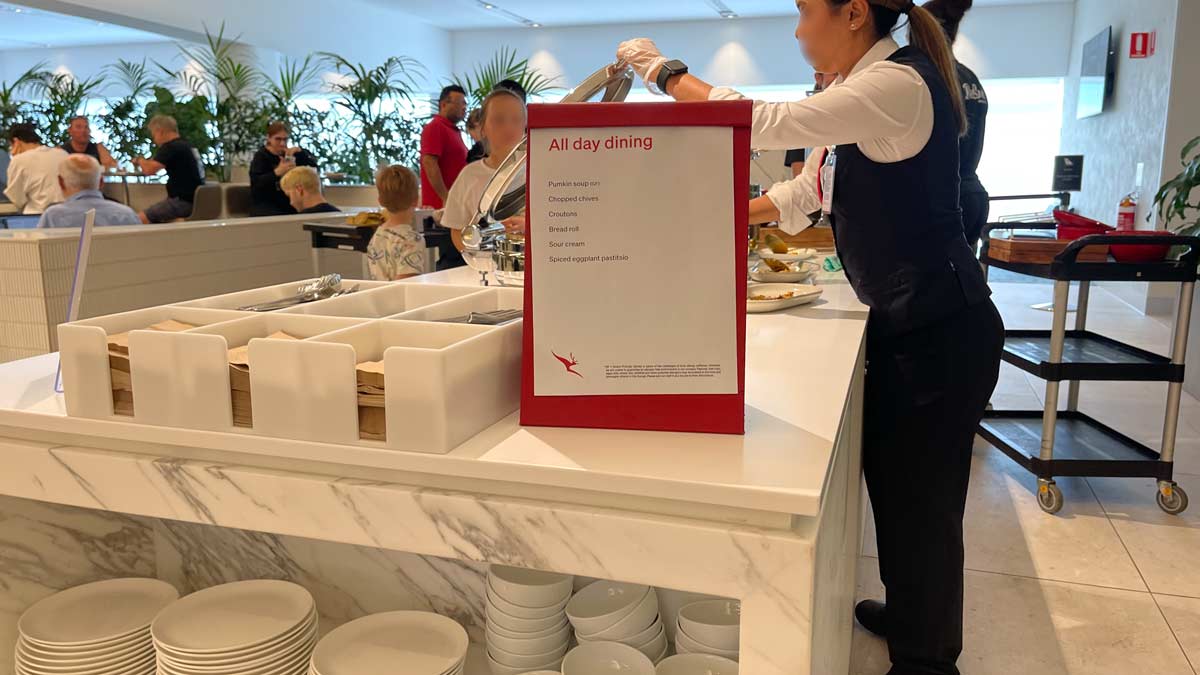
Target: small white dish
713, 623
261, 660
516, 624
276, 644
232, 617
95, 614
522, 612
530, 646
602, 604
642, 618
120, 651
426, 643
606, 658
685, 644
697, 664
799, 272
132, 666
800, 295
530, 588
793, 254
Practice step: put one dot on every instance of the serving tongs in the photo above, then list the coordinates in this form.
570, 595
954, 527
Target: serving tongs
504, 196
487, 318
328, 286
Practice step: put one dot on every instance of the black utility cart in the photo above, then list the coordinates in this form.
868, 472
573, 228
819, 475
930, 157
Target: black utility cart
1053, 442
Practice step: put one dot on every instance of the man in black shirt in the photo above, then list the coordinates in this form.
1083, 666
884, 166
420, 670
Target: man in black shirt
302, 188
269, 165
184, 171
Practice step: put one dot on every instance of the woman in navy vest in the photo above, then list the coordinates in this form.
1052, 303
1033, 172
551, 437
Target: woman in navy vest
886, 172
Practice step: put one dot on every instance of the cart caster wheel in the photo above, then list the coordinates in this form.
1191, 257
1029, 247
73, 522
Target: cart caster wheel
1050, 498
1172, 499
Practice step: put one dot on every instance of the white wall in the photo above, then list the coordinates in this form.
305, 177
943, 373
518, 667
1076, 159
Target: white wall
1132, 128
763, 51
84, 62
354, 28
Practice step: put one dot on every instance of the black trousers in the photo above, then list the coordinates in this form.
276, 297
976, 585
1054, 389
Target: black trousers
975, 209
925, 394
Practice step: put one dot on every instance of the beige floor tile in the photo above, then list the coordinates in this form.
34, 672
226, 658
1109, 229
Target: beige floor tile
1183, 615
1165, 548
1018, 625
1006, 532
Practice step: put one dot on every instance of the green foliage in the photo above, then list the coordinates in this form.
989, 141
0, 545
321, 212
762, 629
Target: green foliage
1173, 201
194, 117
293, 80
14, 107
503, 66
65, 97
124, 120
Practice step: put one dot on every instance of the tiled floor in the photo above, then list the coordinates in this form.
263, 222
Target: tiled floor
1110, 585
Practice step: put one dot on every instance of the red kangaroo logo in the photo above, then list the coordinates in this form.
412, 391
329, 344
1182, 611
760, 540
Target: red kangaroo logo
569, 364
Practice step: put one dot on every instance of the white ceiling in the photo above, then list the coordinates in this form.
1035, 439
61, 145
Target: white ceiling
25, 28
468, 14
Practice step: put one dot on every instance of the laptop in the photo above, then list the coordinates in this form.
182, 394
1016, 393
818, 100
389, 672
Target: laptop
19, 222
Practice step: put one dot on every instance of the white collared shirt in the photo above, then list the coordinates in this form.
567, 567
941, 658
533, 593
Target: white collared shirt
33, 179
884, 108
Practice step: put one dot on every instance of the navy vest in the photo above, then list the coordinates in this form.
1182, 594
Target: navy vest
898, 226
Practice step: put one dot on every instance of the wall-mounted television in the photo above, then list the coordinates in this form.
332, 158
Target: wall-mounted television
1097, 74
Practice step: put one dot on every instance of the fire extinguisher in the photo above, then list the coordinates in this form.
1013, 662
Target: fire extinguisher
1127, 212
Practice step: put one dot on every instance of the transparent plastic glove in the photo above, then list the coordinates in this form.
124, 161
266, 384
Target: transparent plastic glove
643, 56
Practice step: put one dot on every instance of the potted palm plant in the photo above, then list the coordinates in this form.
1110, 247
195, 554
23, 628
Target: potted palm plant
1173, 201
14, 106
503, 66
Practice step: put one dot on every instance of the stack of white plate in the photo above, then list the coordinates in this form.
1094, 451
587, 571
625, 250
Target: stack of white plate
101, 628
710, 627
610, 611
606, 658
244, 628
413, 643
527, 627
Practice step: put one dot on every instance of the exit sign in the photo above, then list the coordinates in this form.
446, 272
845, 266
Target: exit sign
1142, 45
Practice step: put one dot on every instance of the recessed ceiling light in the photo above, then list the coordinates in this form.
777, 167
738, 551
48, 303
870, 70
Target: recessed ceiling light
722, 9
512, 16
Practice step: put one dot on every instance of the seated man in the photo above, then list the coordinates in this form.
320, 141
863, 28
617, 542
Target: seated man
184, 174
302, 186
81, 142
79, 178
33, 171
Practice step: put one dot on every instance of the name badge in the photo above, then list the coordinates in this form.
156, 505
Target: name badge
828, 171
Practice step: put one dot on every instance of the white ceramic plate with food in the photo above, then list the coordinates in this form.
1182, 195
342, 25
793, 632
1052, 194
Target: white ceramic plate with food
795, 272
793, 254
774, 297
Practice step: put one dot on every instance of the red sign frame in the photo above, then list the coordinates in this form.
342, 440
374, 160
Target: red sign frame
706, 413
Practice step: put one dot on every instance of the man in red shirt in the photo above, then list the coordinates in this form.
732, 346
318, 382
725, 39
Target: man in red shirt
443, 153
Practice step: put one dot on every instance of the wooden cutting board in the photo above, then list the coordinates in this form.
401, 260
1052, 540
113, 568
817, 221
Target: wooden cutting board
810, 237
1040, 251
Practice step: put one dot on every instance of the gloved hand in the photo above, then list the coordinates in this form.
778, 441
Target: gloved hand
643, 56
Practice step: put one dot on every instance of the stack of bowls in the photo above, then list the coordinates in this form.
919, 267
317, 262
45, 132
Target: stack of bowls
527, 627
611, 611
606, 658
413, 643
710, 627
243, 628
697, 664
101, 628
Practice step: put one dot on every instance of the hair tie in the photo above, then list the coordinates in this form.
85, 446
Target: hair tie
902, 6
908, 7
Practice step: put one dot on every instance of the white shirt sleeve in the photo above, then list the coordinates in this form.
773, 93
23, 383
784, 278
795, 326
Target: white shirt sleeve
15, 190
462, 203
885, 109
797, 198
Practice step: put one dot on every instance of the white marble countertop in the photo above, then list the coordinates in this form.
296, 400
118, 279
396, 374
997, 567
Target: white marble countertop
799, 369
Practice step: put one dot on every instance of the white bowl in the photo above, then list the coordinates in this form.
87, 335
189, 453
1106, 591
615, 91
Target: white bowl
236, 616
670, 602
686, 645
602, 604
530, 588
501, 669
638, 621
530, 646
522, 612
606, 658
516, 624
424, 642
697, 664
712, 623
656, 648
96, 614
534, 635
543, 672
505, 658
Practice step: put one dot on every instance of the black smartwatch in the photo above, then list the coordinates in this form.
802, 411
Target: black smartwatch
667, 71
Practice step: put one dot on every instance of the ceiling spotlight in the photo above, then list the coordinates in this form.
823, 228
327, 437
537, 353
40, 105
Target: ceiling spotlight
512, 16
722, 9
535, 25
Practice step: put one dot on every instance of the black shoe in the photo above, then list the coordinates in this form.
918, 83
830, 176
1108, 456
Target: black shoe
871, 615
